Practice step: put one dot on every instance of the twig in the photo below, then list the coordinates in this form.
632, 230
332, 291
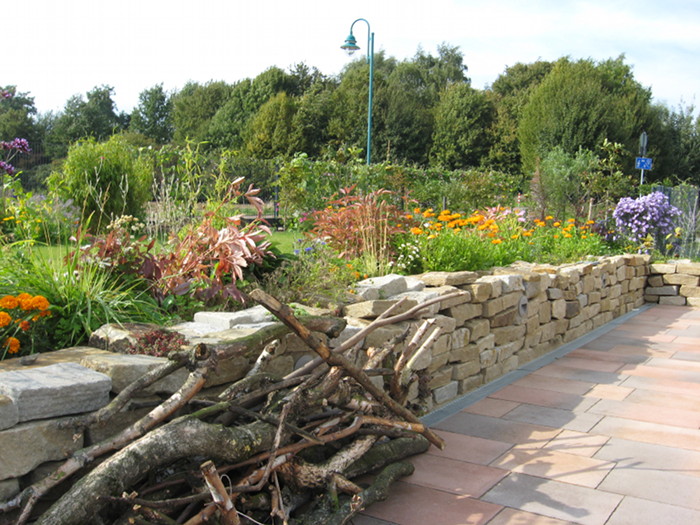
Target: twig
285, 314
218, 492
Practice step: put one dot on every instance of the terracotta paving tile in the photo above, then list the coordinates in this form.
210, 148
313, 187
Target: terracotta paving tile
608, 355
551, 464
654, 485
361, 519
469, 448
491, 407
646, 456
519, 517
662, 385
678, 437
564, 372
676, 417
554, 417
673, 363
413, 505
538, 396
451, 475
684, 340
579, 443
555, 384
554, 499
609, 392
635, 511
589, 364
690, 376
687, 356
497, 429
640, 350
664, 399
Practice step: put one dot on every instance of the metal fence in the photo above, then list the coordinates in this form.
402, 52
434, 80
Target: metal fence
685, 198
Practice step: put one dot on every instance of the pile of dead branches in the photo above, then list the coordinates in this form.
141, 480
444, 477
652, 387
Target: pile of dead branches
314, 447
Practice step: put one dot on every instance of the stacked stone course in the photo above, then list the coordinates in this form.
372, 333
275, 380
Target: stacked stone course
498, 321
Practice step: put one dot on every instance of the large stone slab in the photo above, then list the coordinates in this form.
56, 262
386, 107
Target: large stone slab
28, 445
55, 390
9, 416
382, 287
227, 320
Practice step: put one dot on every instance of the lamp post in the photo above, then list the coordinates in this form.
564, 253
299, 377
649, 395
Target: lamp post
350, 46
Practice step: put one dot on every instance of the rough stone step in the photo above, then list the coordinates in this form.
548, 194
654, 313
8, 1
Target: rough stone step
55, 390
227, 320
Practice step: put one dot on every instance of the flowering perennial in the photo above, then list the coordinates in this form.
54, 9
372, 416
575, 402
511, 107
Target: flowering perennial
18, 315
642, 219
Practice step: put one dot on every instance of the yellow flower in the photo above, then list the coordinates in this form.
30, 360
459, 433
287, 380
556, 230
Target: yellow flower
416, 231
416, 210
590, 222
570, 220
556, 236
556, 224
496, 241
5, 319
39, 303
514, 236
548, 218
12, 344
568, 235
432, 236
584, 236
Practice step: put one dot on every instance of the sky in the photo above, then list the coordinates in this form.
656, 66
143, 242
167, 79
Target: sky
55, 49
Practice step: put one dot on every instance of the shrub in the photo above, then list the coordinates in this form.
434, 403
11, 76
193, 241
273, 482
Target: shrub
106, 179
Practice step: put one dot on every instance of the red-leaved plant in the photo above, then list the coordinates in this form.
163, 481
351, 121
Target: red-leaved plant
206, 261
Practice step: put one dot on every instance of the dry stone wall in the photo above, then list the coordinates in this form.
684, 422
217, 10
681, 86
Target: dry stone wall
496, 322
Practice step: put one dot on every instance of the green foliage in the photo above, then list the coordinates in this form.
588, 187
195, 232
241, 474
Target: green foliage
82, 298
35, 217
106, 179
577, 105
270, 132
95, 117
462, 119
17, 114
153, 116
194, 107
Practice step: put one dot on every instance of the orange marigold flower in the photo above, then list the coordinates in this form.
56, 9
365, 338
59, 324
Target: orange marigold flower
40, 303
9, 302
416, 210
556, 224
570, 220
5, 319
24, 326
416, 231
568, 235
590, 222
496, 241
548, 218
12, 344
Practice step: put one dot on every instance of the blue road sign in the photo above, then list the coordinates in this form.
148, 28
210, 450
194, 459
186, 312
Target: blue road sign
642, 163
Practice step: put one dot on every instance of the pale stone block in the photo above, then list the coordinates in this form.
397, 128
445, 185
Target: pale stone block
689, 268
471, 383
651, 298
594, 297
9, 416
690, 291
228, 320
573, 308
480, 291
55, 390
478, 327
662, 290
465, 312
693, 301
463, 296
508, 283
508, 349
507, 334
673, 300
440, 377
510, 364
492, 372
493, 306
442, 345
373, 309
555, 293
488, 358
34, 443
464, 354
663, 268
460, 338
506, 318
383, 287
680, 278
465, 370
545, 312
496, 285
589, 284
438, 361
559, 308
449, 278
417, 297
446, 393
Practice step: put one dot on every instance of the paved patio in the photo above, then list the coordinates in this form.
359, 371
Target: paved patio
603, 431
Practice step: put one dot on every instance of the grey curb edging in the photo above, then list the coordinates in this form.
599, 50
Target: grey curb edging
451, 408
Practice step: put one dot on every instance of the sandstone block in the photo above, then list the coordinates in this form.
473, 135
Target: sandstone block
478, 328
676, 300
688, 268
9, 488
440, 378
9, 416
227, 320
680, 278
559, 309
690, 291
471, 383
464, 354
493, 306
464, 312
55, 390
663, 268
573, 308
446, 393
662, 290
34, 443
693, 301
381, 287
460, 338
488, 358
554, 294
373, 309
465, 370
480, 291
509, 283
448, 278
507, 334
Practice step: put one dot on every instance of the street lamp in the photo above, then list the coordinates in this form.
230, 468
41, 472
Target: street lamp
350, 46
